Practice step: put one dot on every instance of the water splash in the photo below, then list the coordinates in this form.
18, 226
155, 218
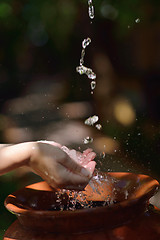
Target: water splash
99, 126
87, 140
84, 70
137, 20
93, 85
81, 69
91, 120
86, 42
72, 200
90, 9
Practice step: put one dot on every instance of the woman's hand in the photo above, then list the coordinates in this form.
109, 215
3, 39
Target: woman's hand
60, 166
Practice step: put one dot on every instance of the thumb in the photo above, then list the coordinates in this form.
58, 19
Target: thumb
75, 167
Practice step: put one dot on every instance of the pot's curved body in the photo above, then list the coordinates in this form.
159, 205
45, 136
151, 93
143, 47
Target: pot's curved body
109, 201
141, 228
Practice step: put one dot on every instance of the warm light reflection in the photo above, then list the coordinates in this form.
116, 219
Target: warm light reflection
124, 112
106, 144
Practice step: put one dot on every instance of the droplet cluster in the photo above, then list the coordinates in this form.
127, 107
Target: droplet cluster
71, 200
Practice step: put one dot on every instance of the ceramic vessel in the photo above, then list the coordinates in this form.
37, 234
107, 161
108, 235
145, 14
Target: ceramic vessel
125, 196
141, 228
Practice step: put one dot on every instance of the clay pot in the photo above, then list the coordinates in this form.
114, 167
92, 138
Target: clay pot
114, 199
141, 228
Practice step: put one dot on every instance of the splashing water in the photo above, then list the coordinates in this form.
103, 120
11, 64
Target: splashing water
137, 20
82, 69
86, 42
99, 126
87, 140
71, 200
93, 85
90, 9
91, 120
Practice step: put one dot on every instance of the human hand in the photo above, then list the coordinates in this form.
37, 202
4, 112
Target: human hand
60, 166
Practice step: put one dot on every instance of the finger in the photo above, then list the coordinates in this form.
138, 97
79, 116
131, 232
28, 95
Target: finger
74, 167
88, 150
73, 179
76, 180
51, 143
89, 158
91, 166
73, 155
65, 149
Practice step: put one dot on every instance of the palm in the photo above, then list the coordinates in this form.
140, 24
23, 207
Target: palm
85, 159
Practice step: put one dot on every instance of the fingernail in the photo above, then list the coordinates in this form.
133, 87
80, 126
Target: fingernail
85, 172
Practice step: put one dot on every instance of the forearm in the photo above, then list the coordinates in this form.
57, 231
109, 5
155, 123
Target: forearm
14, 156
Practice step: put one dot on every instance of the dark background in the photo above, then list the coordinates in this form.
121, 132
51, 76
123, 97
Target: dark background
42, 96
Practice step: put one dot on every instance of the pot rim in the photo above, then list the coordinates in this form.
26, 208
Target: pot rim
141, 197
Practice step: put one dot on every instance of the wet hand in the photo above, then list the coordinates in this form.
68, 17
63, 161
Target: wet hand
60, 166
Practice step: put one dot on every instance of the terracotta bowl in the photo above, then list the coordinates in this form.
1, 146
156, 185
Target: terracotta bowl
109, 200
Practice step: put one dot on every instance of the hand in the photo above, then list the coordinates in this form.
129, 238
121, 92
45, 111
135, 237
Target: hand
60, 166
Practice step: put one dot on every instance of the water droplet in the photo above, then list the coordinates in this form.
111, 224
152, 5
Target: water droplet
82, 57
126, 194
91, 12
87, 140
86, 42
81, 69
84, 70
90, 9
91, 75
103, 154
91, 120
137, 20
93, 85
99, 126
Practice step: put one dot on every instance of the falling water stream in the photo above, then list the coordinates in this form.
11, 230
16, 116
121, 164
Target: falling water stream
77, 199
81, 69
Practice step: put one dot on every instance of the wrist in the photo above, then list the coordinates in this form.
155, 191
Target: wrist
14, 156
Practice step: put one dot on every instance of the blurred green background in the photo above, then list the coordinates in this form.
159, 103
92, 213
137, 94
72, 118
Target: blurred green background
42, 96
